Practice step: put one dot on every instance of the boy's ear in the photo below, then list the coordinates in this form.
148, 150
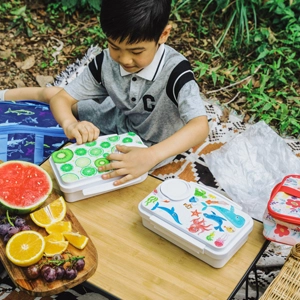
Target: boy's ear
165, 34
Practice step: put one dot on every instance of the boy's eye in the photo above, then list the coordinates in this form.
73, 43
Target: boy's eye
136, 52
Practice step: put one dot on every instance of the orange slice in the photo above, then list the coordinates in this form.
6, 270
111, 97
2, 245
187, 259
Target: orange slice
51, 213
59, 227
55, 247
55, 237
25, 248
76, 239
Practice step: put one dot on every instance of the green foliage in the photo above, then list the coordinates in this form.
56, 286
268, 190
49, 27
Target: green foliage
255, 39
22, 20
71, 5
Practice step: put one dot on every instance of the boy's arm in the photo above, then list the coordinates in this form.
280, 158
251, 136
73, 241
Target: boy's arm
135, 161
61, 106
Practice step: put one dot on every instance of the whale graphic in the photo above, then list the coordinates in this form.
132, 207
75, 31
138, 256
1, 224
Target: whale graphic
171, 212
217, 219
237, 220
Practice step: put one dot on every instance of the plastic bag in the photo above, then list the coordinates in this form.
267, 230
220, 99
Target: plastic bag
250, 165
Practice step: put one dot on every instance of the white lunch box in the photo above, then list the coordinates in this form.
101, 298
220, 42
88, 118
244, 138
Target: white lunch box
76, 166
197, 219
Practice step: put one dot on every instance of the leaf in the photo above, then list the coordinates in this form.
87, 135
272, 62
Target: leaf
263, 54
284, 109
19, 83
20, 11
267, 106
95, 4
214, 77
5, 54
44, 80
29, 31
295, 122
28, 63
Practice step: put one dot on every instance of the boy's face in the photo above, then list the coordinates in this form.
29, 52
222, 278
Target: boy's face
137, 56
132, 57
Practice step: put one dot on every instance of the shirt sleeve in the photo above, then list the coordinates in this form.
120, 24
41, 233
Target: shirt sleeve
190, 102
85, 86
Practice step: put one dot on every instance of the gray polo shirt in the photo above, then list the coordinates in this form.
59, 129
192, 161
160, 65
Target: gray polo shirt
154, 103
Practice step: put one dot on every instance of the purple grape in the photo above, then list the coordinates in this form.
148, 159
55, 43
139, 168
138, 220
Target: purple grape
60, 272
4, 229
79, 265
44, 268
48, 273
25, 227
6, 238
70, 273
19, 222
57, 257
32, 272
13, 230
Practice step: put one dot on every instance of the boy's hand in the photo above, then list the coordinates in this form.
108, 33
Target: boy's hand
81, 131
131, 163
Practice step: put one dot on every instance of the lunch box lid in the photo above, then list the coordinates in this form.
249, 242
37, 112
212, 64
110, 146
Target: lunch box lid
197, 213
76, 166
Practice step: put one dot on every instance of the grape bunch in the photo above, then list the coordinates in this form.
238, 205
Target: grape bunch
56, 268
11, 225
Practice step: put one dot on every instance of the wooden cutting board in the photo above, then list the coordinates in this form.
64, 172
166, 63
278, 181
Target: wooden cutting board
39, 287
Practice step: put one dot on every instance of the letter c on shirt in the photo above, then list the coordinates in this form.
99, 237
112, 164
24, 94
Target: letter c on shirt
149, 103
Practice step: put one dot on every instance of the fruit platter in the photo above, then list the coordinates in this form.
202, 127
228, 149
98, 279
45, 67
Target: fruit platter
43, 247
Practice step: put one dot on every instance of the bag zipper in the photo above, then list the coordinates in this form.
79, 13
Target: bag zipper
290, 191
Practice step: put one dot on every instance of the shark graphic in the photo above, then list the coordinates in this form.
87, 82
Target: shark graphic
31, 120
14, 142
10, 123
10, 152
20, 112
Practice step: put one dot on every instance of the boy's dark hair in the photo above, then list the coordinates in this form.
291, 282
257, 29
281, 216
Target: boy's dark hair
135, 20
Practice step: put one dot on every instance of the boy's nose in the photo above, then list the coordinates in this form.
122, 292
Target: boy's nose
125, 59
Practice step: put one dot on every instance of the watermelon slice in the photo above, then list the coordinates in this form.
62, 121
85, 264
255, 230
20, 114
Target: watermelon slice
23, 186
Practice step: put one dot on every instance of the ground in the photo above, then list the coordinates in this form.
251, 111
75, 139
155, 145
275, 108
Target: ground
56, 43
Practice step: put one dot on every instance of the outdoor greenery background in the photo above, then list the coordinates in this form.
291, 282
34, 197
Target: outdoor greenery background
245, 53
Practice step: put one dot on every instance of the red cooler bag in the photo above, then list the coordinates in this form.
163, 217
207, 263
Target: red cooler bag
282, 216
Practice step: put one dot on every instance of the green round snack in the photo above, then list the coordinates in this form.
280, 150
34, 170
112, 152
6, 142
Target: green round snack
62, 156
82, 162
131, 133
91, 144
101, 162
80, 151
66, 167
114, 138
69, 177
127, 140
95, 151
89, 171
105, 144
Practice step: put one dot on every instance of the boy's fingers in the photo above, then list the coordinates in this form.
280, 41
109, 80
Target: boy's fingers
123, 180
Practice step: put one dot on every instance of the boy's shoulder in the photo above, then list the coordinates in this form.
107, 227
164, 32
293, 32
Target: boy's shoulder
175, 63
171, 54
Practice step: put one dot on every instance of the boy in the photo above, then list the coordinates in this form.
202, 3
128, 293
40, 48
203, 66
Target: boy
138, 84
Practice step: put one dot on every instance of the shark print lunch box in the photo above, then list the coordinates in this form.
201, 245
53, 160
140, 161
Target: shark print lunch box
76, 166
197, 219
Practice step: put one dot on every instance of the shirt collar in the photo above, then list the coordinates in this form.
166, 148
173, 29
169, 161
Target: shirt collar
150, 72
